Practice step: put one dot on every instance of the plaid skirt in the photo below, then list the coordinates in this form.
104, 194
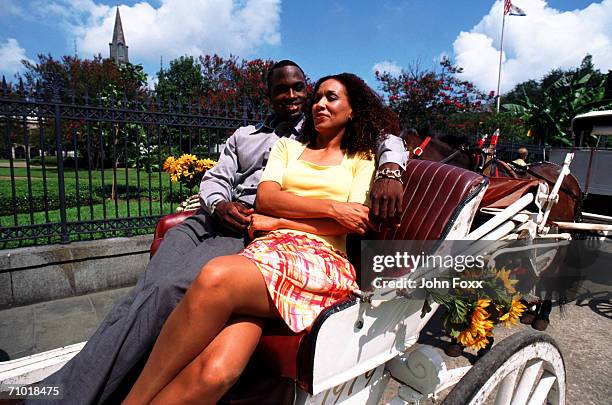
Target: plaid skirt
304, 276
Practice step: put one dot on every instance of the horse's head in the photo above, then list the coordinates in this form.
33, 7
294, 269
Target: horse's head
456, 153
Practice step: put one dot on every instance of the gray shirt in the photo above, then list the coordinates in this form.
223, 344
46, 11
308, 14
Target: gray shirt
246, 152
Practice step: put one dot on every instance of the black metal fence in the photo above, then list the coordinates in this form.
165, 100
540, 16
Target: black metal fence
74, 168
79, 167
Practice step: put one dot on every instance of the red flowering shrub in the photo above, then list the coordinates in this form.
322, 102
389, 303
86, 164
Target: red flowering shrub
429, 98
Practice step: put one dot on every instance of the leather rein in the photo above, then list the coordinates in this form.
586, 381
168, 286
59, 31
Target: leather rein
418, 151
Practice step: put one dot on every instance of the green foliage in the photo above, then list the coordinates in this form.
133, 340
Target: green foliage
181, 81
97, 76
213, 81
548, 107
138, 187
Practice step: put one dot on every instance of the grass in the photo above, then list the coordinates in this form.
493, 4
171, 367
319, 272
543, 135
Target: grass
93, 201
109, 210
98, 179
92, 187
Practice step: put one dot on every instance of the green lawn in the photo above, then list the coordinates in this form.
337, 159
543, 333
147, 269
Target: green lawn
98, 211
93, 201
92, 187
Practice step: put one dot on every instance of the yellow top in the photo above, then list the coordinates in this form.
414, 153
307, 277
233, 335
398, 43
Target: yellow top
349, 181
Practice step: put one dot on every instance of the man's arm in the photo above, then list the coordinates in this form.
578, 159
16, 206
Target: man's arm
218, 182
217, 186
391, 149
386, 193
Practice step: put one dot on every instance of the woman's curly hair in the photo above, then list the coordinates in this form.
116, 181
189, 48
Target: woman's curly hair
371, 120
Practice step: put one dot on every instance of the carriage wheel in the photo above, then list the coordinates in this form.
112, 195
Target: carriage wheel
525, 368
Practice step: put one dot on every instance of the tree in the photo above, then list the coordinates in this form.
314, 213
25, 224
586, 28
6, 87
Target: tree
181, 82
425, 99
549, 108
214, 81
91, 77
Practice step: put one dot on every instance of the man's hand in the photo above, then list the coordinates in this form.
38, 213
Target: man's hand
233, 215
386, 197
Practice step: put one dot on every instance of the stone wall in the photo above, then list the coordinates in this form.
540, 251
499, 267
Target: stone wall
35, 274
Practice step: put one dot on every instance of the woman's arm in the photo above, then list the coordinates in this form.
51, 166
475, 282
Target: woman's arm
316, 226
272, 201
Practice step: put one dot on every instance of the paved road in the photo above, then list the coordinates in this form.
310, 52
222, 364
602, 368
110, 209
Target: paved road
583, 331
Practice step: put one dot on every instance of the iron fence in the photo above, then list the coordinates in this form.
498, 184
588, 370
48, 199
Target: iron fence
74, 168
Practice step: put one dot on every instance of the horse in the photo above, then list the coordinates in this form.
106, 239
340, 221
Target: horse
457, 151
467, 156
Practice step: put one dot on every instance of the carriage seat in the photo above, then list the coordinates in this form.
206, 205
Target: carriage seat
503, 191
435, 200
164, 224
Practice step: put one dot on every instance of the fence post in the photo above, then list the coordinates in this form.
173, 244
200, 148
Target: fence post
55, 88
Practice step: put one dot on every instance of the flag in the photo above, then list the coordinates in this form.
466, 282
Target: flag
516, 11
511, 9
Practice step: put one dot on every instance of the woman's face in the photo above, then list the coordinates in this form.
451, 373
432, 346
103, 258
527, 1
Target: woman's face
331, 110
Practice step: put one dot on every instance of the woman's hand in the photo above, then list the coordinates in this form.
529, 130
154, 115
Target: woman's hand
262, 223
353, 216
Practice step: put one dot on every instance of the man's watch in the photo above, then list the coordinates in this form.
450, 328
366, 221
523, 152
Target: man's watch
389, 174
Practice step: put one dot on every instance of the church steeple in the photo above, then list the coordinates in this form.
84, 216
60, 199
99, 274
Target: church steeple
118, 48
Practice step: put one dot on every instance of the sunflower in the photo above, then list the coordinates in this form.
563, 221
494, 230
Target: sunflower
187, 169
504, 276
511, 317
205, 164
476, 335
169, 163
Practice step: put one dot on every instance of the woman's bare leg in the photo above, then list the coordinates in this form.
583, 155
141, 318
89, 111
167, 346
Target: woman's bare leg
226, 285
217, 368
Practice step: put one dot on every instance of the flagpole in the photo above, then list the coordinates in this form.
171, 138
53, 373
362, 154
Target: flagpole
501, 50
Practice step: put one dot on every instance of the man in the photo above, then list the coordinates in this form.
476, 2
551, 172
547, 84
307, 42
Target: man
111, 360
522, 160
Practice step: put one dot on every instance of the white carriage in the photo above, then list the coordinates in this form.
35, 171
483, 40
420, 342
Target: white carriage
356, 347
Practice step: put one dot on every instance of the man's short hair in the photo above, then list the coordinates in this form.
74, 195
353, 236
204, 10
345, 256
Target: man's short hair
523, 152
278, 65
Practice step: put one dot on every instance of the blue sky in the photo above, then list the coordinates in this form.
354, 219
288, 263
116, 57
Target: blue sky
324, 37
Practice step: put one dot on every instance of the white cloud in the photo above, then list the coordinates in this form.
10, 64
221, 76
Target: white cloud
387, 66
171, 28
543, 40
11, 55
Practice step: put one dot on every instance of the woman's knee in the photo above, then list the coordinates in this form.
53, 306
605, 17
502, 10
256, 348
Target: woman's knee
218, 375
213, 281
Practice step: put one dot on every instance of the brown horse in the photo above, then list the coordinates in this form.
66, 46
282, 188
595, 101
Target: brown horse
567, 208
467, 157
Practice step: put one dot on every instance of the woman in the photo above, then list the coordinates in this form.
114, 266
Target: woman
296, 270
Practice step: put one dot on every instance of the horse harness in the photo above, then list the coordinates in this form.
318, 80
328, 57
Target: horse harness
418, 151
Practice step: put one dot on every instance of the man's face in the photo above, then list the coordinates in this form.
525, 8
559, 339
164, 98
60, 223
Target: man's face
287, 92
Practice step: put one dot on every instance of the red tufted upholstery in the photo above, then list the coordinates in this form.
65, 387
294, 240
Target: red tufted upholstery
432, 193
433, 196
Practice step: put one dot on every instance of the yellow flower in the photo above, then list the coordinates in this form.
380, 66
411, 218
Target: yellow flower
504, 276
513, 315
169, 163
476, 335
186, 168
204, 164
188, 158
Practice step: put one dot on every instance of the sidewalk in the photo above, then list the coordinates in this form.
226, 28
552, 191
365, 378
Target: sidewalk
40, 327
